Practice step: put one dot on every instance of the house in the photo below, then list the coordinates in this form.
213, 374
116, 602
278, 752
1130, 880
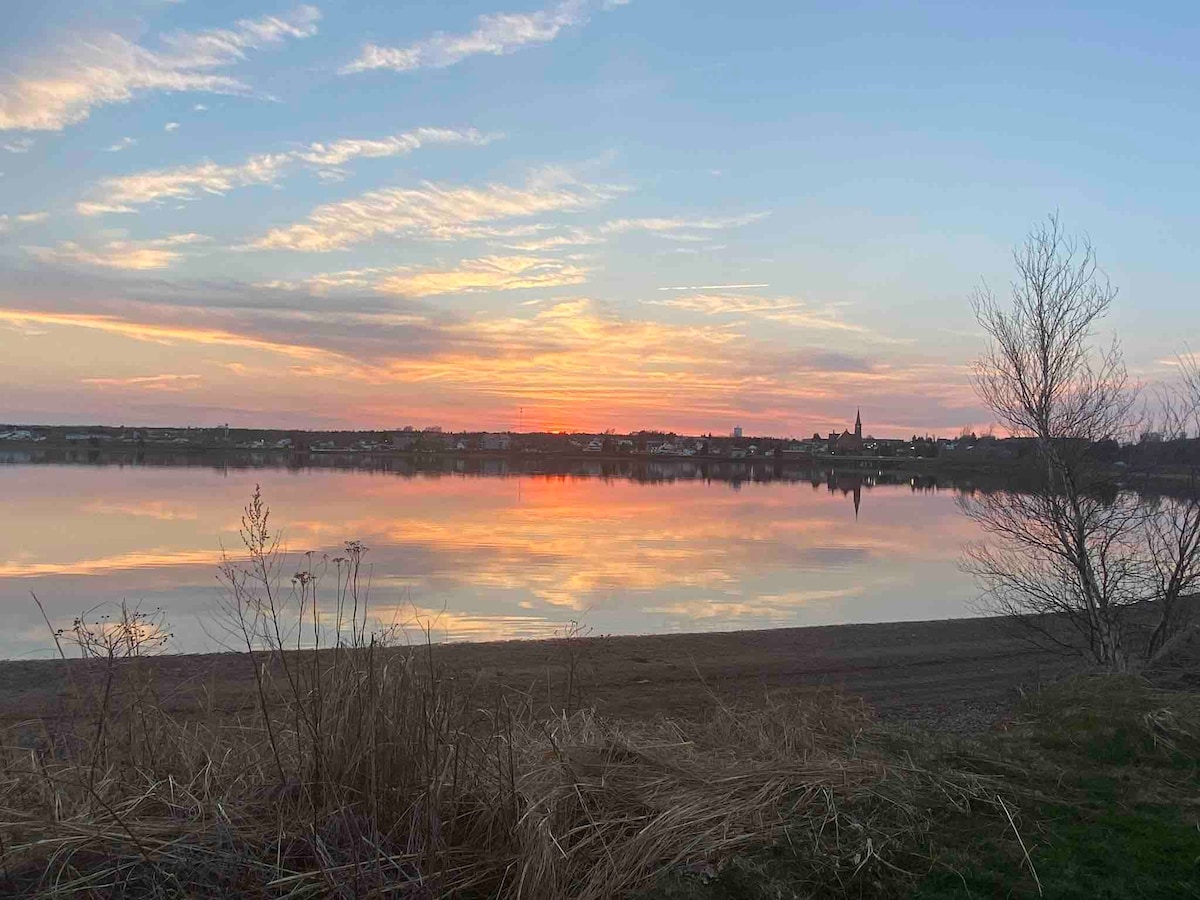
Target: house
595, 445
495, 442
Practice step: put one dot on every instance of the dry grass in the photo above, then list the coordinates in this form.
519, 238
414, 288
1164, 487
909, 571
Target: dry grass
425, 788
366, 770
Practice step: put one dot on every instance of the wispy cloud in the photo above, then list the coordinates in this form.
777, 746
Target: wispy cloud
171, 126
146, 382
490, 273
341, 152
495, 34
431, 211
93, 208
158, 253
64, 87
157, 333
19, 145
7, 222
123, 144
570, 237
714, 287
124, 193
679, 228
777, 310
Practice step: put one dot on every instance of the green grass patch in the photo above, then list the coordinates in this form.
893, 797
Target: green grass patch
1097, 780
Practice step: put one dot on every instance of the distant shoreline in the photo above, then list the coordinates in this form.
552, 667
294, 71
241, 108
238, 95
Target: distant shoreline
916, 464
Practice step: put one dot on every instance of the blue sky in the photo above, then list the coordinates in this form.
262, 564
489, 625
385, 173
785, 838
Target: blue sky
688, 215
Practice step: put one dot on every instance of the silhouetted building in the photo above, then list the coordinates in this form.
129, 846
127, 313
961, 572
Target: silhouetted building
848, 442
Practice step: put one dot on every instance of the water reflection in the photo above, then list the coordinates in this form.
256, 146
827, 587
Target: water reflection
497, 547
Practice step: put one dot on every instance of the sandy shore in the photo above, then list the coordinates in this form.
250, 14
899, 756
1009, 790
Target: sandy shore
957, 675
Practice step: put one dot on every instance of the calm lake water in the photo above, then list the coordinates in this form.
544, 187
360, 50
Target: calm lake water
489, 551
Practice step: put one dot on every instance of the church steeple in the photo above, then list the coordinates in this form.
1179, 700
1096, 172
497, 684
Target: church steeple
858, 423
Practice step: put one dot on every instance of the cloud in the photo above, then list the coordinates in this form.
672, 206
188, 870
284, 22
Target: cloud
431, 211
495, 34
490, 273
317, 359
20, 145
145, 382
571, 237
782, 310
90, 208
199, 107
123, 193
714, 287
7, 222
120, 145
63, 88
678, 228
167, 334
341, 152
158, 253
170, 126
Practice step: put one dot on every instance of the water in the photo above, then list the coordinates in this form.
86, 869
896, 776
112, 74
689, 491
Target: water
489, 551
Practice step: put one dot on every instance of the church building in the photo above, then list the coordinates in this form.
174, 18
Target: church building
847, 442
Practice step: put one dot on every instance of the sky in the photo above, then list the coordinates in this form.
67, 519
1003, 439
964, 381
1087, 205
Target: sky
581, 215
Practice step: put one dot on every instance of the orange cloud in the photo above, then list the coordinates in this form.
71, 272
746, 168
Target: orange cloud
572, 364
489, 273
162, 334
145, 382
432, 212
497, 273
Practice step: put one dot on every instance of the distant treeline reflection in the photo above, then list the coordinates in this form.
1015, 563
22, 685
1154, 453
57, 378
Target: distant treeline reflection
847, 480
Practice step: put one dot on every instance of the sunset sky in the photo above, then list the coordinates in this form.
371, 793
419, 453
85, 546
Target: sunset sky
678, 214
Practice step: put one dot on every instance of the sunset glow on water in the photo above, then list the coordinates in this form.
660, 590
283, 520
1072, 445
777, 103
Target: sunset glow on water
490, 556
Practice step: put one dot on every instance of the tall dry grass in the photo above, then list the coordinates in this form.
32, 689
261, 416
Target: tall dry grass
366, 770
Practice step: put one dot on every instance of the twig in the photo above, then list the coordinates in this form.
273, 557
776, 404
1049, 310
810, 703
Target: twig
1028, 861
53, 633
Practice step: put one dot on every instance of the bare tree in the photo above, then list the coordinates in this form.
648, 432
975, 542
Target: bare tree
1075, 557
1172, 521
